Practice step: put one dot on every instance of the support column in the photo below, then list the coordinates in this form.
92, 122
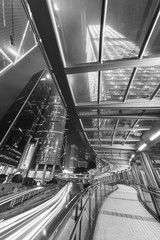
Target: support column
35, 171
44, 173
136, 173
149, 170
12, 169
52, 173
5, 169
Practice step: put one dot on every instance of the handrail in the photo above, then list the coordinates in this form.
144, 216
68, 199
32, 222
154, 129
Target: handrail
148, 196
84, 200
20, 197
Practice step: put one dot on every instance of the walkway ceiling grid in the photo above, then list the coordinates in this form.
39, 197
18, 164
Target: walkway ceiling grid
106, 59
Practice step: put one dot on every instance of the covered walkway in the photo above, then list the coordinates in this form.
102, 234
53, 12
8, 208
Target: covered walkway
123, 217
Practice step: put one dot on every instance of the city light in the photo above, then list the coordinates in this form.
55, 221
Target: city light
154, 136
142, 146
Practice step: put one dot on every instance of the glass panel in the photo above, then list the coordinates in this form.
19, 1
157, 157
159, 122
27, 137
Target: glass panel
92, 135
143, 123
126, 26
145, 82
105, 143
76, 21
136, 134
95, 143
158, 94
120, 134
84, 86
105, 134
107, 122
90, 123
153, 47
126, 122
114, 84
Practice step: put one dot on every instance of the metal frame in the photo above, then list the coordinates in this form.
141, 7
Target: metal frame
77, 111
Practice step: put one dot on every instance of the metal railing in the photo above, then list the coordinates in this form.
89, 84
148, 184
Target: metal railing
17, 198
148, 196
80, 220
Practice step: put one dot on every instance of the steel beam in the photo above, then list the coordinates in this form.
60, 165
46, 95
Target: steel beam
126, 147
129, 104
123, 116
116, 139
122, 129
114, 64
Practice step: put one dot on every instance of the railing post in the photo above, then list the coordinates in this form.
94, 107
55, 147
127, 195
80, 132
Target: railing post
80, 224
149, 170
90, 217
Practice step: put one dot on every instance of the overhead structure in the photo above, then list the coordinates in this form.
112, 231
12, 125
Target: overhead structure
105, 56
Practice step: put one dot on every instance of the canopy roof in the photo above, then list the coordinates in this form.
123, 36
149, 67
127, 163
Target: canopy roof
106, 59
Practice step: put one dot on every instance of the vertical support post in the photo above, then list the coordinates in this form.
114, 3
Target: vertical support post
44, 172
149, 170
136, 173
80, 224
5, 169
90, 216
52, 173
36, 170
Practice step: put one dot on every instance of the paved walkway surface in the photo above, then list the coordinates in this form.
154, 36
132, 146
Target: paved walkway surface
122, 217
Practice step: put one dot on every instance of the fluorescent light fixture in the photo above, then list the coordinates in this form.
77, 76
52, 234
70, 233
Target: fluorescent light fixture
157, 134
133, 155
142, 146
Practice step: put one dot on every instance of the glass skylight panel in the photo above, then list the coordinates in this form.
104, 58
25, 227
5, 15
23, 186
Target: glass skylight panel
90, 123
114, 84
105, 134
108, 122
84, 86
106, 142
145, 123
127, 123
74, 19
92, 135
153, 47
121, 134
145, 82
126, 27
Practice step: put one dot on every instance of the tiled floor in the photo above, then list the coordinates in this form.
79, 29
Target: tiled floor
122, 217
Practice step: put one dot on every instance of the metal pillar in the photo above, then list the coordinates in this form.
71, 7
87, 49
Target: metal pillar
52, 173
44, 173
136, 173
35, 171
149, 170
5, 169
